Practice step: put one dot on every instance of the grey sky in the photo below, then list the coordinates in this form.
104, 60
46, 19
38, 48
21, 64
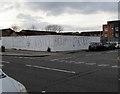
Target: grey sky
71, 15
56, 8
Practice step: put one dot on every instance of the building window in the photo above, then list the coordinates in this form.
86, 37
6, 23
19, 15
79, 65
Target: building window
106, 29
116, 35
116, 29
106, 35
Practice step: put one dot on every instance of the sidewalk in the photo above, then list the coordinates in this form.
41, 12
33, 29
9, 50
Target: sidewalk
25, 53
29, 53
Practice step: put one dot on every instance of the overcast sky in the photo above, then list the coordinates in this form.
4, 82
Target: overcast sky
76, 16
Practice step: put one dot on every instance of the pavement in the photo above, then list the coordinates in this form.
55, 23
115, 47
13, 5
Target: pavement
25, 53
29, 53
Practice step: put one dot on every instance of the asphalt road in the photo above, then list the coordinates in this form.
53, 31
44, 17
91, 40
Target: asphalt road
70, 72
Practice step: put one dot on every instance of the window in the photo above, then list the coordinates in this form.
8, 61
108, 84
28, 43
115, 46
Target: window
116, 29
116, 35
106, 29
106, 35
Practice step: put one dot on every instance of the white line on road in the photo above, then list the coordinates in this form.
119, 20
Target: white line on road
25, 57
4, 62
115, 66
54, 60
46, 68
103, 65
79, 62
90, 63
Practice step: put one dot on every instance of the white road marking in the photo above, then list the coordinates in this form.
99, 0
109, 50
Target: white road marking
4, 62
46, 68
43, 91
72, 61
79, 62
61, 59
90, 63
25, 57
54, 60
115, 66
29, 65
103, 65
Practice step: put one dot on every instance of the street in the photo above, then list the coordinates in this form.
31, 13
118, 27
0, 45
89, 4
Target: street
85, 71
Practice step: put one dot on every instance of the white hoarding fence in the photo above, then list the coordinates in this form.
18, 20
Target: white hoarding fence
55, 42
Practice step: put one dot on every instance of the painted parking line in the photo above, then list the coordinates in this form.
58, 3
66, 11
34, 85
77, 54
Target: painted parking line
115, 66
25, 57
103, 65
4, 62
90, 63
54, 60
61, 59
79, 62
53, 69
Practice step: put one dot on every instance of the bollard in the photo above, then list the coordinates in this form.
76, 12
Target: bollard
2, 48
49, 49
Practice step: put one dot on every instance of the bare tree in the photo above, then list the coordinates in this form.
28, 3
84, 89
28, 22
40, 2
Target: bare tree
54, 28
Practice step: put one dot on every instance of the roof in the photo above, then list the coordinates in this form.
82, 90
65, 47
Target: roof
6, 32
114, 22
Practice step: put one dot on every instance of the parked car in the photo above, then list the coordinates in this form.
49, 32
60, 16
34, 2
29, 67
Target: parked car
8, 84
116, 43
109, 46
96, 46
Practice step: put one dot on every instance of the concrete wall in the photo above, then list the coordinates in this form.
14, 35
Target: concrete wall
55, 42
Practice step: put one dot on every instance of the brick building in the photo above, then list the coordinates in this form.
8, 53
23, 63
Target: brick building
111, 31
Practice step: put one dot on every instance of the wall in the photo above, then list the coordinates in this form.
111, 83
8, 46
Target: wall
55, 42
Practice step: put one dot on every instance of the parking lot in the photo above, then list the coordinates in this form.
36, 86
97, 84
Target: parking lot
83, 71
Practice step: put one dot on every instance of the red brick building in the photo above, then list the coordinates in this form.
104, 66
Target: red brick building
111, 31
